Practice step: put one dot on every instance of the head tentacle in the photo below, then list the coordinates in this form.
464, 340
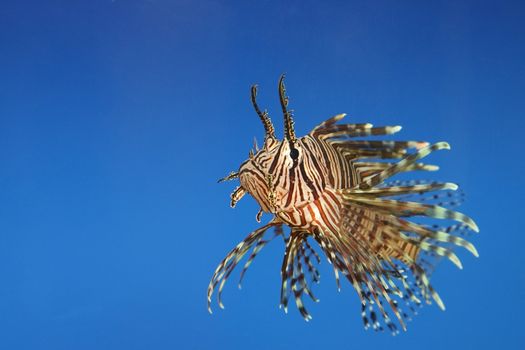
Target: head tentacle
289, 131
267, 123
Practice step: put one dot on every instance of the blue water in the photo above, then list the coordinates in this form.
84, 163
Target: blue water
117, 118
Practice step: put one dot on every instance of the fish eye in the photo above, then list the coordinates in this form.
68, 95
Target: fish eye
294, 153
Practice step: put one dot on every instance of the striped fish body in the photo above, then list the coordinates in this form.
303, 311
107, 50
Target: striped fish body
333, 187
290, 187
304, 191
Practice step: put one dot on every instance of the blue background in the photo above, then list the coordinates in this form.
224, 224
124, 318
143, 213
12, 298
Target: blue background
117, 118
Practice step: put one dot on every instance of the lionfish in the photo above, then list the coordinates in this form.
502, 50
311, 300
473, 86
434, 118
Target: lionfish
334, 188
